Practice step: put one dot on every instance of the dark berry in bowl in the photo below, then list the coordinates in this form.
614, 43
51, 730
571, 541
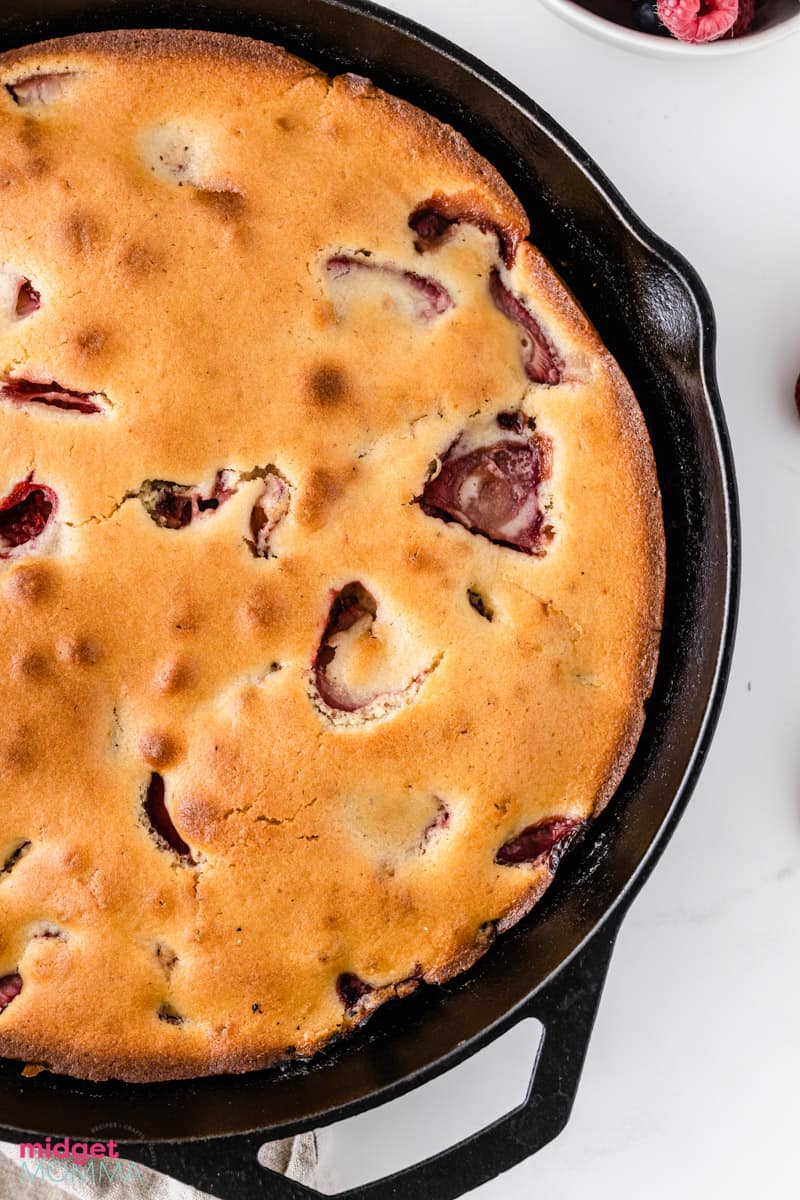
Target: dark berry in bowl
645, 18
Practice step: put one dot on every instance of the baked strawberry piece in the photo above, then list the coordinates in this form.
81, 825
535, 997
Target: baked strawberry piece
268, 511
490, 482
353, 611
174, 506
434, 219
10, 988
28, 299
546, 841
41, 88
19, 298
438, 824
352, 990
542, 362
160, 819
24, 515
51, 395
426, 296
348, 632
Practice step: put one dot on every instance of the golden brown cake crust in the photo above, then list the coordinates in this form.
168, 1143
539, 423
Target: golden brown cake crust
206, 244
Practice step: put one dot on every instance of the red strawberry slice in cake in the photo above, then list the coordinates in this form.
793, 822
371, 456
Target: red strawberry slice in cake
490, 481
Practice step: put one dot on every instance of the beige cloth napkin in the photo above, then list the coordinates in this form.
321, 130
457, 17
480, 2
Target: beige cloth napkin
296, 1157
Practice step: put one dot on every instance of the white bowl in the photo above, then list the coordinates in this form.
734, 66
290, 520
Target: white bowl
778, 19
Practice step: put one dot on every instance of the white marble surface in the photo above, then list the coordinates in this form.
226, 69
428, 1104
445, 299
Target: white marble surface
690, 1087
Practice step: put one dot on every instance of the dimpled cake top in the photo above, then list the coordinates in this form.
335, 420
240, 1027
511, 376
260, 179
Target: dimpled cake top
331, 556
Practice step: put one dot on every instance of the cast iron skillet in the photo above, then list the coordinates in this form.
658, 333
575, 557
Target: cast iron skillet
654, 314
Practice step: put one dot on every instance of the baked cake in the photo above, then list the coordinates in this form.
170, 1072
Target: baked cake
331, 556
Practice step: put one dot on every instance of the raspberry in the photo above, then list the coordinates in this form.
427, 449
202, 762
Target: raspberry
698, 20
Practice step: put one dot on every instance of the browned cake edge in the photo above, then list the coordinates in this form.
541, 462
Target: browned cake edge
192, 43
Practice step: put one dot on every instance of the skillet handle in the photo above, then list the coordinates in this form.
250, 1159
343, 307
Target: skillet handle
228, 1168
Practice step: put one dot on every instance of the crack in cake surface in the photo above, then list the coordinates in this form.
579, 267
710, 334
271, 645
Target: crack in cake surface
175, 506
